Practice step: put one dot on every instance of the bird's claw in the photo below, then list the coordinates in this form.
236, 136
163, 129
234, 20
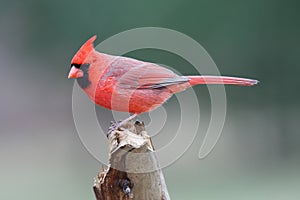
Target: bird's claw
114, 125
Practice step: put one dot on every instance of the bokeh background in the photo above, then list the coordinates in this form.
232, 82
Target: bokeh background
258, 155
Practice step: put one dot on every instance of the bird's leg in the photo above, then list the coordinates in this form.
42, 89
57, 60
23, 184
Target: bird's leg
115, 125
127, 120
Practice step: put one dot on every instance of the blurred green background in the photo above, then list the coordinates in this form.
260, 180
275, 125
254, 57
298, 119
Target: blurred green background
257, 156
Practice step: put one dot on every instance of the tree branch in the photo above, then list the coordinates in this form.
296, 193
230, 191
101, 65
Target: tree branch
133, 171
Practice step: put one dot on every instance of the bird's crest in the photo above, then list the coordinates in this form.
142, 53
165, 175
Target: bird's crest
84, 51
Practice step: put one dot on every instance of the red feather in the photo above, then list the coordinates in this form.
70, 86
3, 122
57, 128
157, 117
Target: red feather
129, 85
84, 51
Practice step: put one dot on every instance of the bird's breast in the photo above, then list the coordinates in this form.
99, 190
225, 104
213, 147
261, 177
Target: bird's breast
112, 97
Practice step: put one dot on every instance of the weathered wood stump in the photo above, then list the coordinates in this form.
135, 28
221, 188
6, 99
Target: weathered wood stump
133, 171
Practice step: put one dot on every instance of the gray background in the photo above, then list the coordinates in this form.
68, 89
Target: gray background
257, 156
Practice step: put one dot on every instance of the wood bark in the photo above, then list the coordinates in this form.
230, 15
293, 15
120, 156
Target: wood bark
133, 171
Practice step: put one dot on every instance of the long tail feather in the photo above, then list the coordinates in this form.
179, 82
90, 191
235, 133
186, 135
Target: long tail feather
196, 80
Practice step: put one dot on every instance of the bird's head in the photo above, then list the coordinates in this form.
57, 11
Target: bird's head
80, 62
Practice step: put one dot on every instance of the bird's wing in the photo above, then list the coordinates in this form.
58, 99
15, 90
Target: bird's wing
136, 74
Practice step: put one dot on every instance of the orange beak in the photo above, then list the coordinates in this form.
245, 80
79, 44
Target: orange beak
75, 73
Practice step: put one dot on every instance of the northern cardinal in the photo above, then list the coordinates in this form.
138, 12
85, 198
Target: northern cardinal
129, 85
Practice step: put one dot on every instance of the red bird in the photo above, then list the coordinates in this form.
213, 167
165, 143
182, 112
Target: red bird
128, 85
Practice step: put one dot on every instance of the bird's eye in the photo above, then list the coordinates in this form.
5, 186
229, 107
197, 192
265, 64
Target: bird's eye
85, 65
